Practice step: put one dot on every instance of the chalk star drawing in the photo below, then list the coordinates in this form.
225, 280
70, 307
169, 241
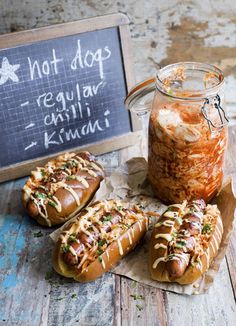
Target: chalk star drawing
7, 71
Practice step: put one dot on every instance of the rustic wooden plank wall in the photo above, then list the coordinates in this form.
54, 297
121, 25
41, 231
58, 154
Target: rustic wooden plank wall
162, 31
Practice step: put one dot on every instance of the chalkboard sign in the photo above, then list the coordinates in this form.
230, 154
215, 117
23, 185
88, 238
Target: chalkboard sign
60, 91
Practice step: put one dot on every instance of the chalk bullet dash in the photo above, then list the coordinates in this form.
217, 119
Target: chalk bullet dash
30, 125
34, 143
25, 103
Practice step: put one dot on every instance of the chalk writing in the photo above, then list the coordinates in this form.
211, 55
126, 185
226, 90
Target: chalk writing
72, 113
91, 127
30, 125
90, 58
34, 143
37, 70
65, 111
24, 104
61, 93
67, 107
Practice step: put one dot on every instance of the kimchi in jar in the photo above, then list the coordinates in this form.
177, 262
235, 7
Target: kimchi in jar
187, 132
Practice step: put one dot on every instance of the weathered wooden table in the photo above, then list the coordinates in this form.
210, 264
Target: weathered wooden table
32, 294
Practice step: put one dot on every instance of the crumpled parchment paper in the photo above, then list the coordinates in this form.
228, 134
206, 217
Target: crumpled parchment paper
129, 183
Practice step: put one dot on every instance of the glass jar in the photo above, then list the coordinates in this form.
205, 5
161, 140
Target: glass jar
187, 130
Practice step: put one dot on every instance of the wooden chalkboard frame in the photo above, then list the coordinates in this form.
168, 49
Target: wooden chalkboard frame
118, 20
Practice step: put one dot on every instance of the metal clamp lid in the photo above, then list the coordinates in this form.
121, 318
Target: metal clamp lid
216, 102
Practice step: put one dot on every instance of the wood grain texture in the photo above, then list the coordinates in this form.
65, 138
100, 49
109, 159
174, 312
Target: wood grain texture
114, 143
23, 263
61, 30
107, 301
217, 307
231, 262
84, 304
117, 320
231, 170
172, 309
118, 20
162, 32
30, 299
142, 305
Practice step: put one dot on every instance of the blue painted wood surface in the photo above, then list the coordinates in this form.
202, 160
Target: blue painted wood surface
26, 297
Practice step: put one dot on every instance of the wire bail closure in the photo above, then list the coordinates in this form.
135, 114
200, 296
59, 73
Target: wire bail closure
216, 101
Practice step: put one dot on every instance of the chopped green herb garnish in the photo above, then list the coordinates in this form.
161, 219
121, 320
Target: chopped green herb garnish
70, 177
101, 242
72, 237
43, 172
50, 195
170, 92
59, 299
38, 234
99, 251
74, 163
48, 275
74, 295
107, 218
134, 284
40, 195
119, 208
137, 296
180, 244
100, 259
205, 83
65, 166
139, 307
174, 235
65, 248
206, 229
51, 203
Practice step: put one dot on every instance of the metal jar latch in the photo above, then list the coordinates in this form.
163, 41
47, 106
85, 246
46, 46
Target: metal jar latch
223, 119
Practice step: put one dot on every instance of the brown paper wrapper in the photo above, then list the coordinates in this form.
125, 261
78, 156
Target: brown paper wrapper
129, 183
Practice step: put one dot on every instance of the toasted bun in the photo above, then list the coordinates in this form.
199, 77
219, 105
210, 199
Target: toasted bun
113, 252
56, 192
192, 264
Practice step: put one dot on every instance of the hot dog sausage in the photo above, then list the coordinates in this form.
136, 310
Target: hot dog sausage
99, 237
184, 241
79, 244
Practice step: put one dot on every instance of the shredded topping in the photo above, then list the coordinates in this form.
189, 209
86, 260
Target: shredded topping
185, 155
96, 228
69, 171
191, 227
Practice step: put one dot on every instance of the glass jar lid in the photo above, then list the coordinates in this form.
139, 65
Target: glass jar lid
190, 81
183, 81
